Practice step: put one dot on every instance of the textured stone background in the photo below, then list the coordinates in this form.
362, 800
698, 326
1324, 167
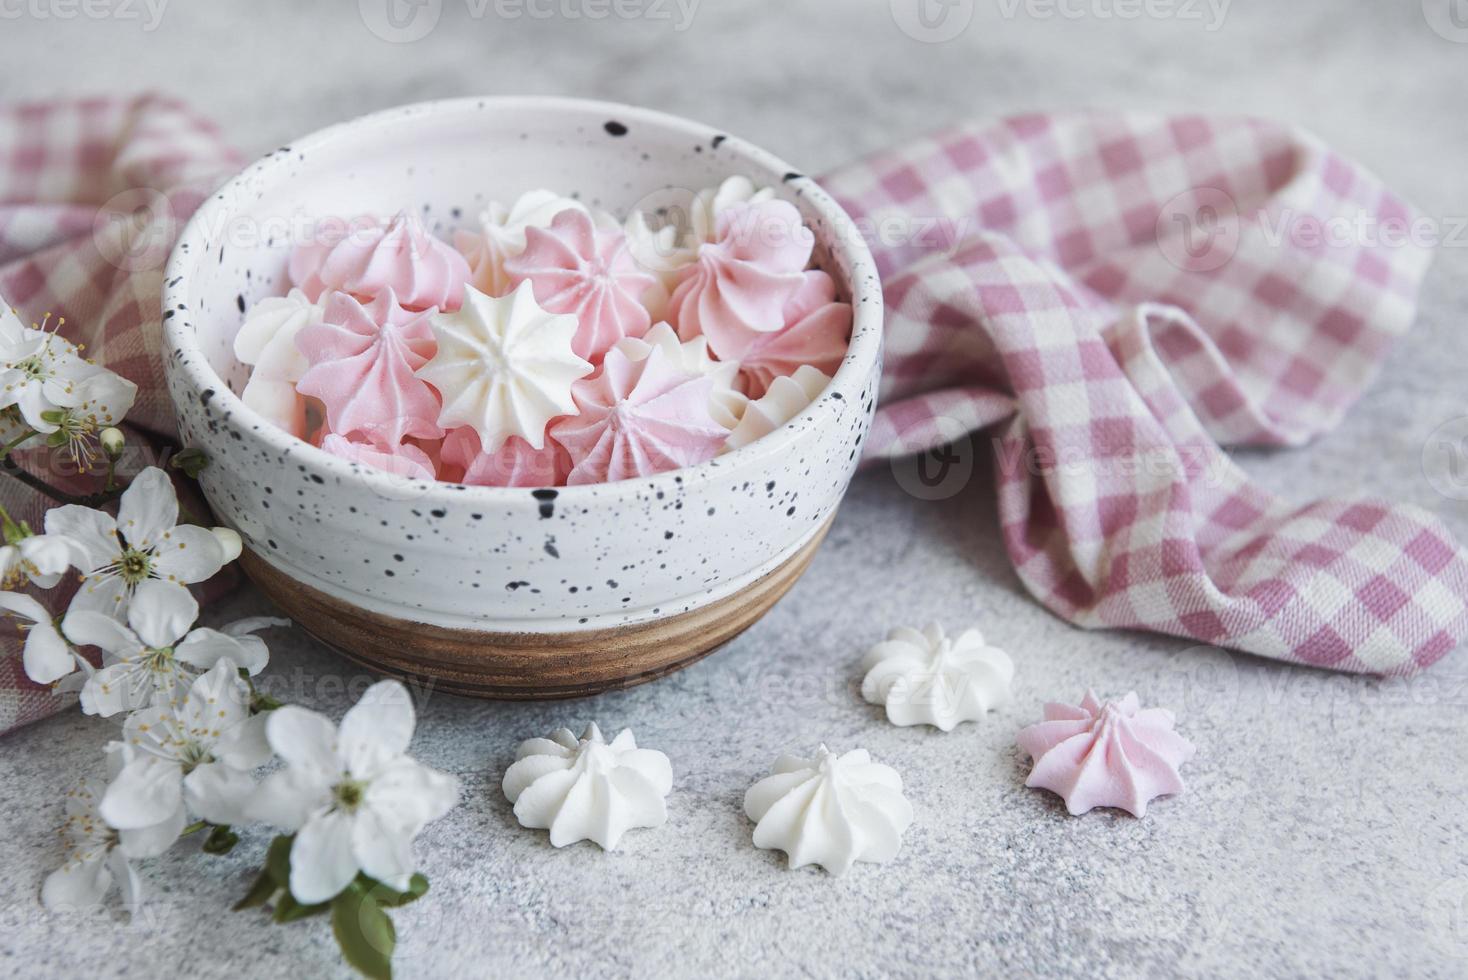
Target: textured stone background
1323, 829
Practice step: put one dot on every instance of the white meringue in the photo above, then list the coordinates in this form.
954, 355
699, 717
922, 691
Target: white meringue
726, 402
267, 340
674, 244
925, 678
786, 398
831, 810
587, 789
501, 235
504, 366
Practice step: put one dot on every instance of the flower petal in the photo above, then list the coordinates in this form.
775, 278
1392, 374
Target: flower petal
149, 508
106, 594
77, 884
91, 531
127, 880
218, 793
288, 797
188, 554
51, 555
322, 863
161, 612
203, 647
384, 851
409, 794
145, 793
120, 687
24, 606
377, 729
304, 739
47, 658
146, 842
86, 628
218, 702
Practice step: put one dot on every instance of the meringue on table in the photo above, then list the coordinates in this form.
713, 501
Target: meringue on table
1114, 754
926, 678
588, 788
832, 810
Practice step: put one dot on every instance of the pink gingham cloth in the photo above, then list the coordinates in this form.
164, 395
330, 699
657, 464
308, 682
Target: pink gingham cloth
1118, 294
61, 165
1028, 290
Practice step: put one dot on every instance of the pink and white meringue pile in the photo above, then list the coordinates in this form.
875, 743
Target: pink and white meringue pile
551, 347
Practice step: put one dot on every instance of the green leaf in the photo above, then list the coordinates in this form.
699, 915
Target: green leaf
392, 898
287, 909
364, 932
260, 892
278, 859
221, 840
190, 461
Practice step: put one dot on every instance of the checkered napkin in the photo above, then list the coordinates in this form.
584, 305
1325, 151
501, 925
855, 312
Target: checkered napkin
92, 194
1116, 295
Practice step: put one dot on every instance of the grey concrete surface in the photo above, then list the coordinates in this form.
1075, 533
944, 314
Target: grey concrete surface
1323, 830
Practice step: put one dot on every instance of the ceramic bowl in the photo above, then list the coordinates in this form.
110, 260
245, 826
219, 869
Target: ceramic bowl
492, 591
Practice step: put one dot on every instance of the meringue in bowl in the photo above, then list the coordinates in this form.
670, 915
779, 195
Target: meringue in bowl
508, 592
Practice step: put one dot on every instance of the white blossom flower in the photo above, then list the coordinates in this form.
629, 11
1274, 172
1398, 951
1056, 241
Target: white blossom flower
41, 373
38, 558
46, 656
100, 401
98, 854
352, 797
196, 759
146, 660
144, 543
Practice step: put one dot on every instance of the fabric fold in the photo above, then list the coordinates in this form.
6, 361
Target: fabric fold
1120, 294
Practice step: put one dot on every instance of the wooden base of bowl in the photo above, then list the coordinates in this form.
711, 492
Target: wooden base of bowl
527, 666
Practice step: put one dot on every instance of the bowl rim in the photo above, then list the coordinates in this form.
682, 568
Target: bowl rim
187, 359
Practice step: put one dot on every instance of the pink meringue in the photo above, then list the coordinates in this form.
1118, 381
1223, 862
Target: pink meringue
362, 363
402, 459
638, 418
817, 334
743, 279
1112, 754
514, 464
369, 256
501, 235
577, 269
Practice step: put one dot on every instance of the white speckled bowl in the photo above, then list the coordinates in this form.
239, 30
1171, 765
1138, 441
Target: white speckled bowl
505, 592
